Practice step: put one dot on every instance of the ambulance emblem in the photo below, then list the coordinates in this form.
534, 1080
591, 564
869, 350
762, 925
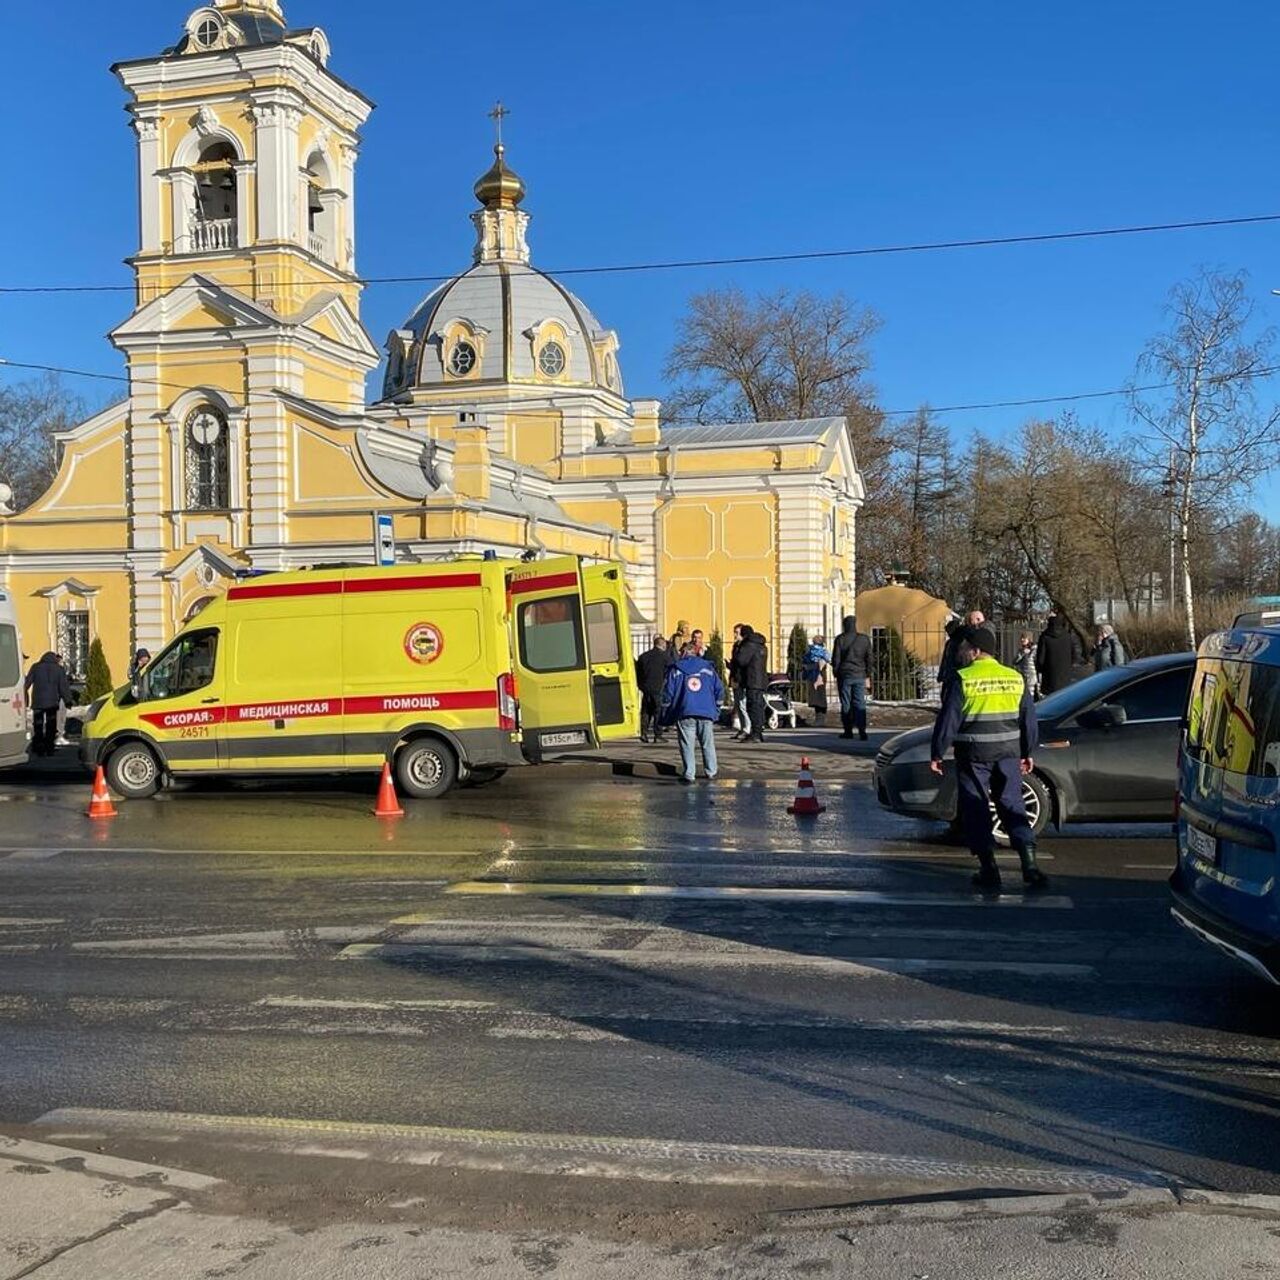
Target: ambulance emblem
423, 642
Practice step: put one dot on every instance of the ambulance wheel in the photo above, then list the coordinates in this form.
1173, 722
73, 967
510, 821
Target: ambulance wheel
133, 771
426, 769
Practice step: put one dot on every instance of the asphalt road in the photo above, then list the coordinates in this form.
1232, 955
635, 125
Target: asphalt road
623, 960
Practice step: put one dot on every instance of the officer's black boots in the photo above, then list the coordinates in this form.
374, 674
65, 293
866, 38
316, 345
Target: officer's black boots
1032, 876
988, 876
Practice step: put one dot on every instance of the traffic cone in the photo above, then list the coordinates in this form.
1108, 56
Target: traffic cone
388, 805
806, 805
100, 805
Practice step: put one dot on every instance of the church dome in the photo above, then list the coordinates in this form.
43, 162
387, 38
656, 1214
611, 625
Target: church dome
499, 187
503, 320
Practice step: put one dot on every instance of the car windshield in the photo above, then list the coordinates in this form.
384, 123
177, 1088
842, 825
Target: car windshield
1066, 702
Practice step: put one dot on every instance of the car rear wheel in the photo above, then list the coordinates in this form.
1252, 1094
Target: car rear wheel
133, 771
426, 769
1039, 805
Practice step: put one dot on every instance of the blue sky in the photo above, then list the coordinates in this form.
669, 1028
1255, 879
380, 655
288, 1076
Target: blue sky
658, 131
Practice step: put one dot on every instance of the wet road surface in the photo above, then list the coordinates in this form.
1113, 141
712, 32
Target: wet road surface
628, 960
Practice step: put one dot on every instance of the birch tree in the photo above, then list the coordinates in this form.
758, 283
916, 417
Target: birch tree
1201, 430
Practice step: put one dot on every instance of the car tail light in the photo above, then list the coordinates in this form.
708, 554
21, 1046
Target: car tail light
508, 707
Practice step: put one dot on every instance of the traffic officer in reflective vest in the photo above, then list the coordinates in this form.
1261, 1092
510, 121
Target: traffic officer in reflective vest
989, 716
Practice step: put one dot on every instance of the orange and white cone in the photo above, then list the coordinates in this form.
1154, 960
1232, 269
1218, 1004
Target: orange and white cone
806, 805
100, 805
388, 805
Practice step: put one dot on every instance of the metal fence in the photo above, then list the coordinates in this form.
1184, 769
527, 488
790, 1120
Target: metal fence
905, 660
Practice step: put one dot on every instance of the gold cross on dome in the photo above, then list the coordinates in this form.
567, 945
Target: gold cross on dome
498, 115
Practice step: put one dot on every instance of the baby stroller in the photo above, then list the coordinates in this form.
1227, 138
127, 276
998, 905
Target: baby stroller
777, 700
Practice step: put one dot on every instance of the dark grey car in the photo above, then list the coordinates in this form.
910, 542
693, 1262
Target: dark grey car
1107, 752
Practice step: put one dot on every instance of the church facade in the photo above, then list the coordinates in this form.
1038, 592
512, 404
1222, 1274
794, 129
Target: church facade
246, 443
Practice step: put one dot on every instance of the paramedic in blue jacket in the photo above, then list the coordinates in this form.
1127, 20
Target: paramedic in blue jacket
692, 703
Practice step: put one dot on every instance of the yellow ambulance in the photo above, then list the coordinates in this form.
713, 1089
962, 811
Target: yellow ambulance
452, 672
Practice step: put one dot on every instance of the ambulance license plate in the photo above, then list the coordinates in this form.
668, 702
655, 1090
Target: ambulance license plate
576, 739
1203, 845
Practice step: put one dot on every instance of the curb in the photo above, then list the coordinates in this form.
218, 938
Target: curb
950, 1208
659, 769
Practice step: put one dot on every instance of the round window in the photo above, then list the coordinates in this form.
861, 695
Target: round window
208, 33
462, 359
552, 359
206, 427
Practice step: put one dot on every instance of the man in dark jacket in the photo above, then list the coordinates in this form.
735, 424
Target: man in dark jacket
753, 670
651, 675
47, 688
1058, 653
954, 653
851, 662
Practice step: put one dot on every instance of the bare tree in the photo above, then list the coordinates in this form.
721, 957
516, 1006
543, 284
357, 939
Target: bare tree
31, 415
776, 356
1203, 433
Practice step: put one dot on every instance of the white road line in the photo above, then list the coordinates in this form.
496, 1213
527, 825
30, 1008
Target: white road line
1148, 866
850, 897
648, 1159
32, 855
379, 1006
747, 958
28, 922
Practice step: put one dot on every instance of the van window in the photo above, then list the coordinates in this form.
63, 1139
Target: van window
551, 634
183, 668
10, 658
602, 632
1234, 721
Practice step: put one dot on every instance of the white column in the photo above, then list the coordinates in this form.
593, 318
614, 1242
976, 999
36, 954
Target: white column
800, 554
182, 188
268, 451
277, 159
147, 496
149, 183
349, 155
244, 231
642, 578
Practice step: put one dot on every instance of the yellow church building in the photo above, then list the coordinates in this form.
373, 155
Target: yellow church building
246, 443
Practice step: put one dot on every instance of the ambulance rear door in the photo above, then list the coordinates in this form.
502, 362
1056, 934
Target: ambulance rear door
553, 676
615, 698
13, 715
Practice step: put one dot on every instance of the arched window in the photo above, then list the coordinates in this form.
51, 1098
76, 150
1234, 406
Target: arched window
321, 214
206, 460
552, 360
215, 212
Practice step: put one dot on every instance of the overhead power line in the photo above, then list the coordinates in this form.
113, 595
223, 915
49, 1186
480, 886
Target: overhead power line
1250, 375
683, 264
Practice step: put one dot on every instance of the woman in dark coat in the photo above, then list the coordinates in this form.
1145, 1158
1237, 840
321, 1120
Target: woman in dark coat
1058, 653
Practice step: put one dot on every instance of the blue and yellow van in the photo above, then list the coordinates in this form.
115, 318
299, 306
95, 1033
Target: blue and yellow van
1226, 888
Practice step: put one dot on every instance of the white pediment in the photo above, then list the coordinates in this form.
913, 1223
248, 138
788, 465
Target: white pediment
205, 557
69, 587
195, 294
343, 321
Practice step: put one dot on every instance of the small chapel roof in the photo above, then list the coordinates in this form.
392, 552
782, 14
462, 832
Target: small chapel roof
791, 431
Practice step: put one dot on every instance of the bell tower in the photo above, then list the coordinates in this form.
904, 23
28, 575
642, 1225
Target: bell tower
247, 294
247, 148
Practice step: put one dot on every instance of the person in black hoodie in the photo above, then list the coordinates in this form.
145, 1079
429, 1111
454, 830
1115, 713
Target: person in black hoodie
1058, 653
751, 672
651, 676
47, 687
851, 662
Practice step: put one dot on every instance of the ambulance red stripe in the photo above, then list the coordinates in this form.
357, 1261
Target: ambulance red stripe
355, 586
548, 582
391, 704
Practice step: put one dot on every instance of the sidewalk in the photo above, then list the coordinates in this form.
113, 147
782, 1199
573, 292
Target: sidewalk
66, 1214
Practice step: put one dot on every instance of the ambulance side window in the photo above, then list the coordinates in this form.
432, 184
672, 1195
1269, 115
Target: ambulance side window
551, 634
185, 667
10, 658
602, 632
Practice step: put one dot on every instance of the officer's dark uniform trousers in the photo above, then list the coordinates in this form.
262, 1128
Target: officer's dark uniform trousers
989, 716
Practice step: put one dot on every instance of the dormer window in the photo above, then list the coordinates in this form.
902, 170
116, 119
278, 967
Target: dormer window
208, 33
552, 360
462, 359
